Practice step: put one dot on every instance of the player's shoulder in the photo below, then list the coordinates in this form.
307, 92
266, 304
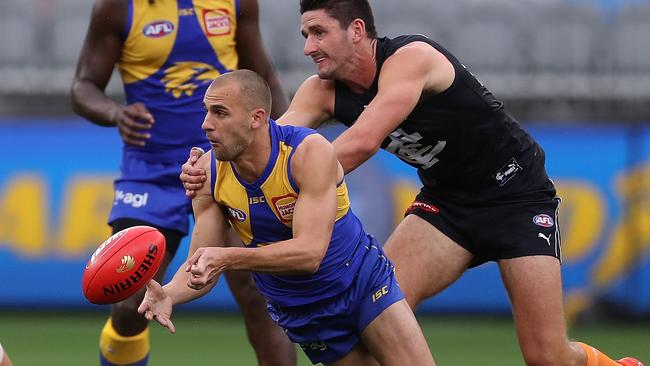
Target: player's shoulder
246, 6
205, 161
313, 146
316, 82
414, 51
110, 11
107, 5
316, 89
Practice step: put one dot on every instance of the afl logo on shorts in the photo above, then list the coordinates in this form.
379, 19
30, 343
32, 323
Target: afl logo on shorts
157, 29
237, 215
543, 220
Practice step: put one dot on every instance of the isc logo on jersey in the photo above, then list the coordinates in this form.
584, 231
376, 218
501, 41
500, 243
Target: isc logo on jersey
543, 220
157, 29
217, 22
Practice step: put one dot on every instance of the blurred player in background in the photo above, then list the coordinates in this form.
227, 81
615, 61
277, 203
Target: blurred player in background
282, 189
486, 195
4, 358
168, 52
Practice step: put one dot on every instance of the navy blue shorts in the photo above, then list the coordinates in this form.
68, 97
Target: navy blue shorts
329, 329
151, 192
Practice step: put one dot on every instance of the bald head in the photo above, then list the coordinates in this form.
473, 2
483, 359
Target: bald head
253, 89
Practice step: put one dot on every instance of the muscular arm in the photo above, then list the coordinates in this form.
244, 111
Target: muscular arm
315, 171
399, 90
252, 54
100, 52
312, 104
209, 230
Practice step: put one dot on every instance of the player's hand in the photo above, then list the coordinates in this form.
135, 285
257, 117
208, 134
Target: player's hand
205, 266
157, 305
192, 177
133, 122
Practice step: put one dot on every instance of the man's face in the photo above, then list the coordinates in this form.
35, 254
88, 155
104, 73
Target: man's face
227, 123
326, 43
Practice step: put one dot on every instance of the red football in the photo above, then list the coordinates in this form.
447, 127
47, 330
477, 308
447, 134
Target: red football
123, 264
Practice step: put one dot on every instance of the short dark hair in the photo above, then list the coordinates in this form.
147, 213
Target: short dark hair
345, 11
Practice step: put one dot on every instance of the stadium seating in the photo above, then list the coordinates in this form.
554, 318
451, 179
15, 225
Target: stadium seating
564, 38
631, 39
510, 41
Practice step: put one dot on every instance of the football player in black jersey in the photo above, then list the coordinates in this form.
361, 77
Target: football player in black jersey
485, 195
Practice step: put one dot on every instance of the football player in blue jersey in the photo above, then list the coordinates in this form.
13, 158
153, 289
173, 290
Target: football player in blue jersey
282, 190
167, 53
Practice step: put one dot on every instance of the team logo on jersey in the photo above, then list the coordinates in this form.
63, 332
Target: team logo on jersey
284, 206
507, 172
185, 77
237, 214
217, 22
543, 220
409, 147
417, 205
158, 28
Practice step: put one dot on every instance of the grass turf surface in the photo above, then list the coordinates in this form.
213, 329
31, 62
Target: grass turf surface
70, 339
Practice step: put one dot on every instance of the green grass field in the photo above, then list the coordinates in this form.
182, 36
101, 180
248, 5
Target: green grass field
70, 339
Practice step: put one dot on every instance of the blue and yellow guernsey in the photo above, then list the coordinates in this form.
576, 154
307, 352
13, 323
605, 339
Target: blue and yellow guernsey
172, 50
262, 213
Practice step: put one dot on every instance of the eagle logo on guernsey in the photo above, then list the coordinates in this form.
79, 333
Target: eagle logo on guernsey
237, 214
284, 206
543, 220
217, 22
185, 77
158, 28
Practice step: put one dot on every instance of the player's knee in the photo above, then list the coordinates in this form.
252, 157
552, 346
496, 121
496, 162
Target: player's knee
539, 358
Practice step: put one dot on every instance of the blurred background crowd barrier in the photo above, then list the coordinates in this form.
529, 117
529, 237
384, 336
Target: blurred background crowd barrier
576, 73
550, 59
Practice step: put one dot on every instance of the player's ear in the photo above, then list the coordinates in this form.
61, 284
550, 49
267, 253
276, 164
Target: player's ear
358, 28
259, 117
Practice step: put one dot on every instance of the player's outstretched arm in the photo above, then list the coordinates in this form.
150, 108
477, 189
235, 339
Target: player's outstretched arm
399, 90
157, 305
312, 105
315, 171
209, 231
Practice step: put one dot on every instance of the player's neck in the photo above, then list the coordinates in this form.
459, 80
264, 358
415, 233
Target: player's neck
250, 164
363, 67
